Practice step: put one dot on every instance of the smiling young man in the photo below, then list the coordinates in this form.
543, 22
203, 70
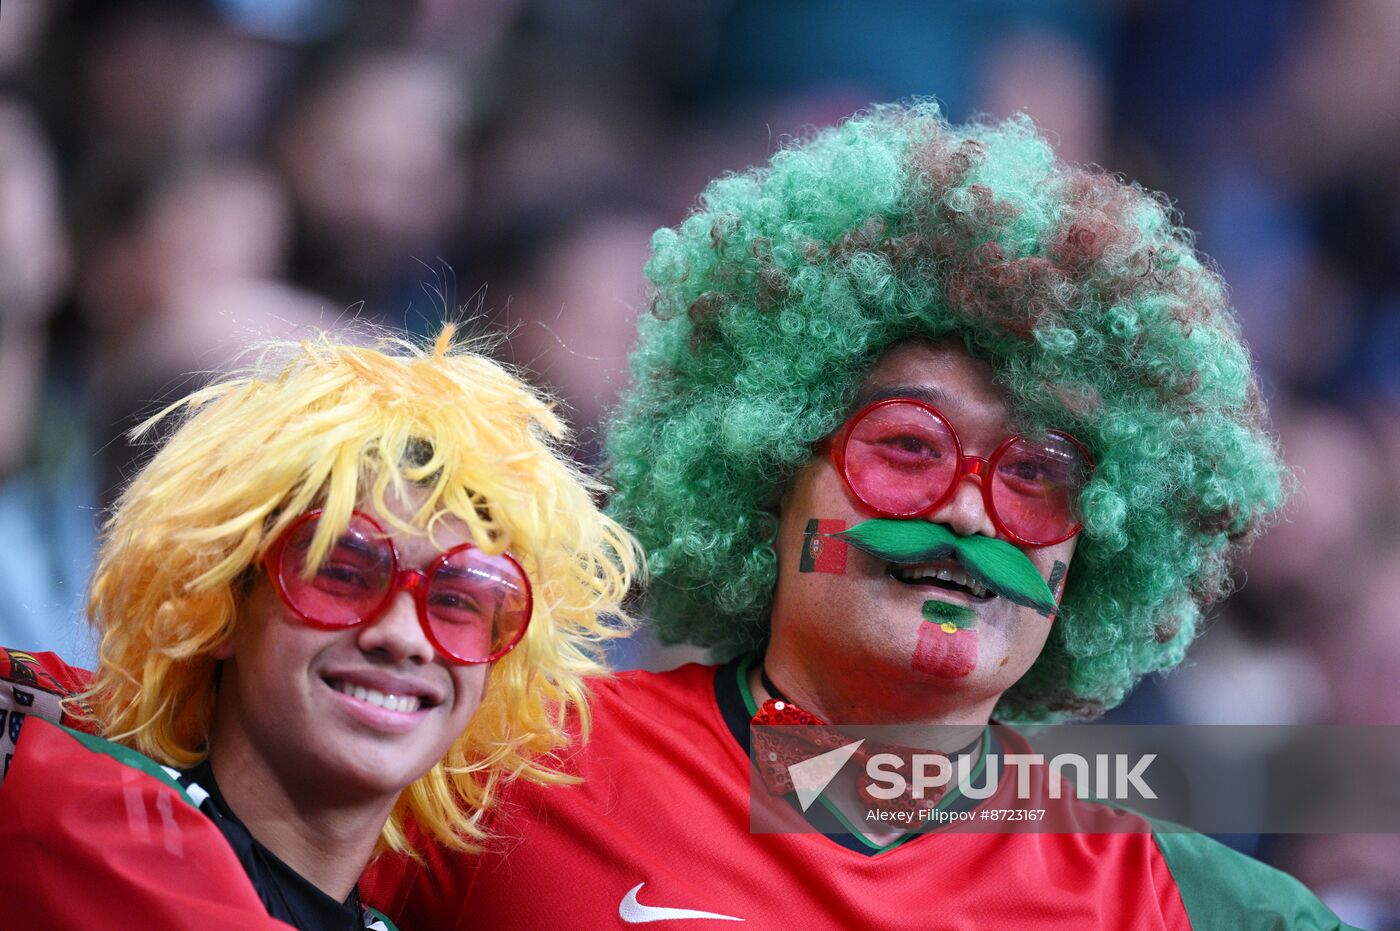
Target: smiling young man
926, 427
355, 586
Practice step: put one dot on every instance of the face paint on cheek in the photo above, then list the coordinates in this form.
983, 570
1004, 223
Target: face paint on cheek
821, 550
1056, 585
945, 655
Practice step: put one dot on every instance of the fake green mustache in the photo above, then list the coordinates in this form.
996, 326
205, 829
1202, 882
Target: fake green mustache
994, 563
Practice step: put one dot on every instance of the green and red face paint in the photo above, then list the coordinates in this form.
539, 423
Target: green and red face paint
822, 549
1057, 580
947, 640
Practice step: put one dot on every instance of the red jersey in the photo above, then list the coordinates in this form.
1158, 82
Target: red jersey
98, 836
659, 831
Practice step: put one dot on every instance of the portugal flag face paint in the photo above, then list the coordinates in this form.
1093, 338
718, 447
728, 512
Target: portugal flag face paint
820, 551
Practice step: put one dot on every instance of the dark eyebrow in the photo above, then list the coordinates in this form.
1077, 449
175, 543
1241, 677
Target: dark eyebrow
356, 544
929, 394
460, 574
347, 540
456, 574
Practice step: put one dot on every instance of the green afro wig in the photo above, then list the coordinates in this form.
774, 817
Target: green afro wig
784, 287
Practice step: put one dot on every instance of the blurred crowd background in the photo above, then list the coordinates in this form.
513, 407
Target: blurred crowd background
179, 179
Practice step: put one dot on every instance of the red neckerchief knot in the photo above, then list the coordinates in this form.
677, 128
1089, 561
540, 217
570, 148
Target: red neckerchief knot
806, 735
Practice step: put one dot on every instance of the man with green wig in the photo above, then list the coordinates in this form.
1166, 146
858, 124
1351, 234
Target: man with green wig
927, 428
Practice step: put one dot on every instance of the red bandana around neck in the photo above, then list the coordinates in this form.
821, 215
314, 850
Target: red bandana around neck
805, 736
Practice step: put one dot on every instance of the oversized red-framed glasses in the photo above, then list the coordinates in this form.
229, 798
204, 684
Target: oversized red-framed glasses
901, 457
474, 607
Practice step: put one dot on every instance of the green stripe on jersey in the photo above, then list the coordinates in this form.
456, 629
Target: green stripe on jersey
128, 757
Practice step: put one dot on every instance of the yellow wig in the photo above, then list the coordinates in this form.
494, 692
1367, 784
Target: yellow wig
320, 424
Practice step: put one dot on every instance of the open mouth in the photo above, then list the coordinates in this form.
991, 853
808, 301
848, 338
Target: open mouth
941, 575
389, 701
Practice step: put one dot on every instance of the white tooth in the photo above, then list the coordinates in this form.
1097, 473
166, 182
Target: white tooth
943, 574
380, 699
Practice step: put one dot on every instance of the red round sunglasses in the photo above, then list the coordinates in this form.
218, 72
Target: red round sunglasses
474, 607
902, 458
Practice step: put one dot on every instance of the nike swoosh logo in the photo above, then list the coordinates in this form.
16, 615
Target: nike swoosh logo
635, 913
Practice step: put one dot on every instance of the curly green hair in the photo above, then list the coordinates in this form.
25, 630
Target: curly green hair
784, 287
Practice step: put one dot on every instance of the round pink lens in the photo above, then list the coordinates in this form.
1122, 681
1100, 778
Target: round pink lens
1035, 487
349, 584
477, 604
900, 458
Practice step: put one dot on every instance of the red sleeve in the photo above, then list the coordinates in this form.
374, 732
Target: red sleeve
90, 842
426, 894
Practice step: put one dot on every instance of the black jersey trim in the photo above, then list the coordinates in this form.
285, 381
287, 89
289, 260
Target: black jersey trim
285, 893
